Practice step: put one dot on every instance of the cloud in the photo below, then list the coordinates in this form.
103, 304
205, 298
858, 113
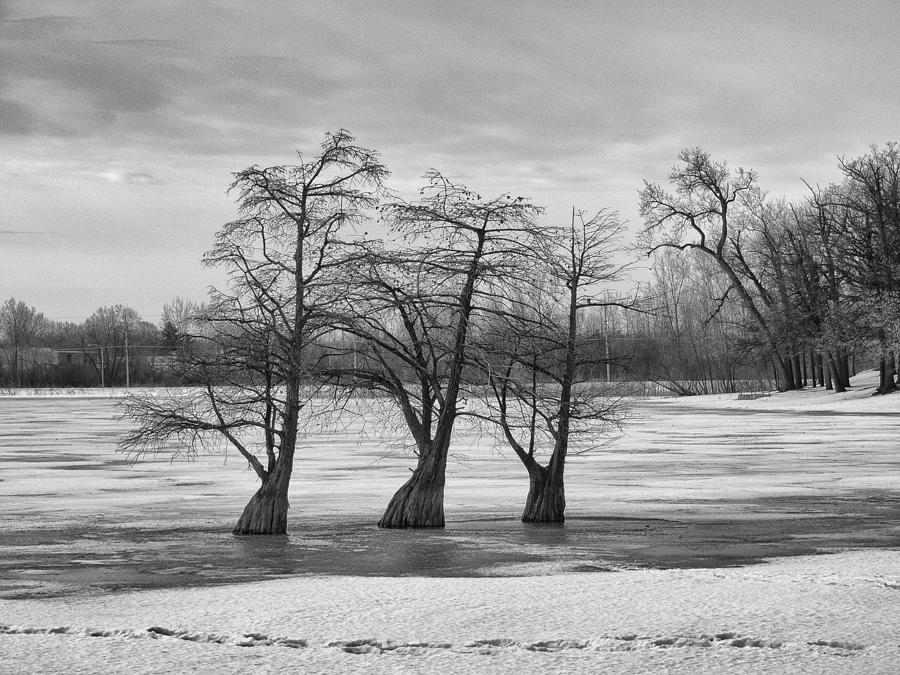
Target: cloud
128, 177
17, 119
146, 108
57, 83
38, 25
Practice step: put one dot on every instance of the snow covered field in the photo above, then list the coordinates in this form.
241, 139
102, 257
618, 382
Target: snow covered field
681, 552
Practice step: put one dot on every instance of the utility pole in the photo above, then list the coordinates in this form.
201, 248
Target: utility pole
606, 340
127, 365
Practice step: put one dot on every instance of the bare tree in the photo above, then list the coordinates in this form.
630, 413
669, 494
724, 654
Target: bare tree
699, 216
691, 339
409, 311
771, 254
815, 251
20, 328
180, 321
535, 358
871, 195
284, 257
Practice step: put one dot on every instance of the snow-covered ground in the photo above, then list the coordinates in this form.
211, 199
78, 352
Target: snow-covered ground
111, 567
836, 613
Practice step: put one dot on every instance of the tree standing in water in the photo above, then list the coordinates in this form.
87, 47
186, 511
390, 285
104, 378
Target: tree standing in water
258, 370
410, 310
535, 356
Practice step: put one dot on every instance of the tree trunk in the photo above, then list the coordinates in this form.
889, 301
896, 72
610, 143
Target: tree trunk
798, 372
843, 369
420, 501
15, 368
886, 374
835, 375
266, 512
784, 378
826, 372
546, 502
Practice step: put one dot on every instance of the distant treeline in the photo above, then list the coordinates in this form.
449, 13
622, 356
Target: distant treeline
805, 286
112, 347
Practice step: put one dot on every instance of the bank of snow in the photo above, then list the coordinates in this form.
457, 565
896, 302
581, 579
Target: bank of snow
859, 398
836, 613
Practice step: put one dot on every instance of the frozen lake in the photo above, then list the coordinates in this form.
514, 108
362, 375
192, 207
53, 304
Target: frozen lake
705, 482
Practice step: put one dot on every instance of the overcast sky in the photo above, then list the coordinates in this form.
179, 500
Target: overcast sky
121, 122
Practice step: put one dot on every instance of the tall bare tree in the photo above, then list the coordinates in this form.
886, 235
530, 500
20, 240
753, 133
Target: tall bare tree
536, 358
700, 216
284, 257
410, 310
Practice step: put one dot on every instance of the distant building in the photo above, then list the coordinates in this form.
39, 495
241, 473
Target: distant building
70, 357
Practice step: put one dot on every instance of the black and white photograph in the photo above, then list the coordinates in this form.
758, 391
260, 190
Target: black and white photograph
437, 336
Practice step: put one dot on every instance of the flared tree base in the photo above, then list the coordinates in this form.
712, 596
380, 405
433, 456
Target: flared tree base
418, 503
546, 501
266, 512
